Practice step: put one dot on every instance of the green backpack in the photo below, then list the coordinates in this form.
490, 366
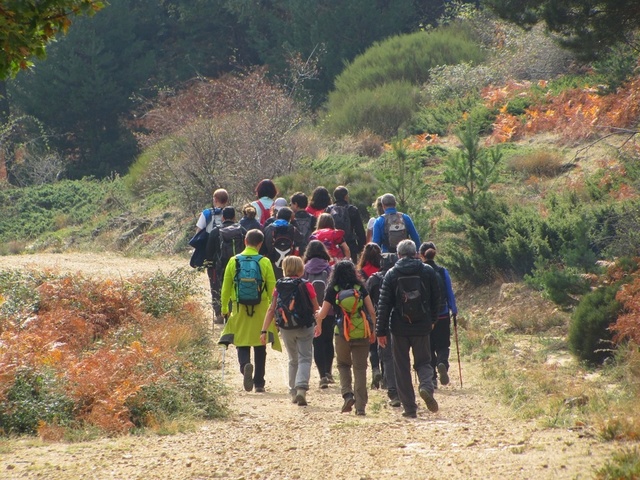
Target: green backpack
353, 324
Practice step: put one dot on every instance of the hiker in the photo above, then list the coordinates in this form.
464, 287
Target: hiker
278, 203
441, 334
246, 294
385, 355
265, 191
393, 226
377, 205
317, 271
332, 238
220, 200
347, 217
369, 264
320, 200
302, 220
353, 332
407, 309
281, 239
225, 241
248, 220
293, 306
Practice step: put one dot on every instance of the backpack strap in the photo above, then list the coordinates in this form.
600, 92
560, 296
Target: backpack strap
208, 215
264, 213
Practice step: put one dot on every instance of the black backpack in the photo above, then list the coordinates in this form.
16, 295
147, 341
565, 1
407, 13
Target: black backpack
293, 305
411, 296
304, 224
340, 214
231, 243
282, 244
373, 285
442, 300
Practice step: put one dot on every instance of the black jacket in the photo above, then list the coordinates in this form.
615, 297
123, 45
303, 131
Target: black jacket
388, 318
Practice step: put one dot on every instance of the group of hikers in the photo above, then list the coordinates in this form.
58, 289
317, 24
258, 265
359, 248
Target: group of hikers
306, 273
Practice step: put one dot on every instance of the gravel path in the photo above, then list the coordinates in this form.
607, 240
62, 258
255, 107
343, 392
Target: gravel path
267, 437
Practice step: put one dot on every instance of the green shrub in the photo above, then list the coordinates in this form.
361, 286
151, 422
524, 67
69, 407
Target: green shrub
518, 105
382, 109
377, 91
409, 58
560, 285
616, 67
34, 397
442, 117
589, 335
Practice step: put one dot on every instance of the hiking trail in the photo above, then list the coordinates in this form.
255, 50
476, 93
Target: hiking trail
267, 437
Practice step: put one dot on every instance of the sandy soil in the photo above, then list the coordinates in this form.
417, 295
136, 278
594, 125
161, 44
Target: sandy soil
267, 437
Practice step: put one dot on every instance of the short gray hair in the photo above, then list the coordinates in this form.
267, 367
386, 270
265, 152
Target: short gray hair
406, 248
388, 200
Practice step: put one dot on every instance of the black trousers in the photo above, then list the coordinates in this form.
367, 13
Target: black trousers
440, 343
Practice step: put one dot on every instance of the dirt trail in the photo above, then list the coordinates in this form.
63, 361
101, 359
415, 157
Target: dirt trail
267, 437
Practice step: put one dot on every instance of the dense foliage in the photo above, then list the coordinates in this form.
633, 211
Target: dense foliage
27, 27
588, 26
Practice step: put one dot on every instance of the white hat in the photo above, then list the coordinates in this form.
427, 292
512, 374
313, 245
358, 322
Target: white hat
279, 203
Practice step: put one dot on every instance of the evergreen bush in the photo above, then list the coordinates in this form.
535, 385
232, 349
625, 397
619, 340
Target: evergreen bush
589, 335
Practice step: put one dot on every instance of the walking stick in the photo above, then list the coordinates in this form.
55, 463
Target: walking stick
455, 330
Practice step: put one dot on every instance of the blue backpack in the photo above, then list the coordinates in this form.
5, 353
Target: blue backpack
248, 281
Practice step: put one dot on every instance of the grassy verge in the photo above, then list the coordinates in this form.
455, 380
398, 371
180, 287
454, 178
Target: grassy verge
82, 357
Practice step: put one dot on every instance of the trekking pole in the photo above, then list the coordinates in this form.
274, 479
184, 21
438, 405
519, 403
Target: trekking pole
455, 330
224, 347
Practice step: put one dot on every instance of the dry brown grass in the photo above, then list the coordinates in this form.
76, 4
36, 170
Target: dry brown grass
540, 163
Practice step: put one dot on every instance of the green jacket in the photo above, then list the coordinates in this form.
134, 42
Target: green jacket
242, 329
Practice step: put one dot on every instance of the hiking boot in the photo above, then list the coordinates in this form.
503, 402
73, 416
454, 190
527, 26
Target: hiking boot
259, 389
329, 378
324, 382
377, 376
432, 405
409, 414
294, 396
444, 375
218, 320
301, 397
247, 382
360, 412
395, 401
349, 402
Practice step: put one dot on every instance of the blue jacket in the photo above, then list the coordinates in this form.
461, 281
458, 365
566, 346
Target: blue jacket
451, 299
378, 230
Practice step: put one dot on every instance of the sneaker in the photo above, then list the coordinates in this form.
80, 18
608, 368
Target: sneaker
409, 414
360, 412
349, 402
444, 375
259, 390
247, 382
324, 382
301, 397
329, 378
432, 405
377, 376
